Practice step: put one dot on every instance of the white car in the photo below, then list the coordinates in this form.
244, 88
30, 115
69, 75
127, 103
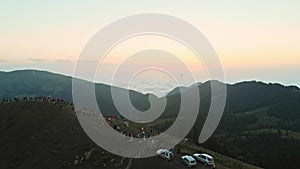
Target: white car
188, 160
164, 153
205, 159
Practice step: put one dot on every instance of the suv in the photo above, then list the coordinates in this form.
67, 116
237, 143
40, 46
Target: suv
205, 159
164, 153
189, 161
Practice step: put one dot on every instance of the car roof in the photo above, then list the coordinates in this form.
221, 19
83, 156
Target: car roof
162, 150
207, 155
190, 158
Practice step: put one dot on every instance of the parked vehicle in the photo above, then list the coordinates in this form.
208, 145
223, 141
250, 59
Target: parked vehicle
166, 154
188, 160
205, 159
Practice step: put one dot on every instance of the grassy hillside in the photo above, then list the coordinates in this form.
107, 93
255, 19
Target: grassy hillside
260, 125
47, 134
223, 162
41, 134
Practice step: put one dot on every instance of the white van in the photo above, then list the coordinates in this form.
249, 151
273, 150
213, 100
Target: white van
164, 153
188, 160
205, 159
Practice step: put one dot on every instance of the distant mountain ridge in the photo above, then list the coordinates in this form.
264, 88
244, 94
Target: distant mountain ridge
243, 96
281, 100
54, 84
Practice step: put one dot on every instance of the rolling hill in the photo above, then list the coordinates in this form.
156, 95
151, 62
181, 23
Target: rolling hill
45, 133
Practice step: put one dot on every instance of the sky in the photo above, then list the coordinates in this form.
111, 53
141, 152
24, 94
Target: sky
254, 39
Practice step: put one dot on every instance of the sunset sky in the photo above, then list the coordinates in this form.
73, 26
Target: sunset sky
254, 39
